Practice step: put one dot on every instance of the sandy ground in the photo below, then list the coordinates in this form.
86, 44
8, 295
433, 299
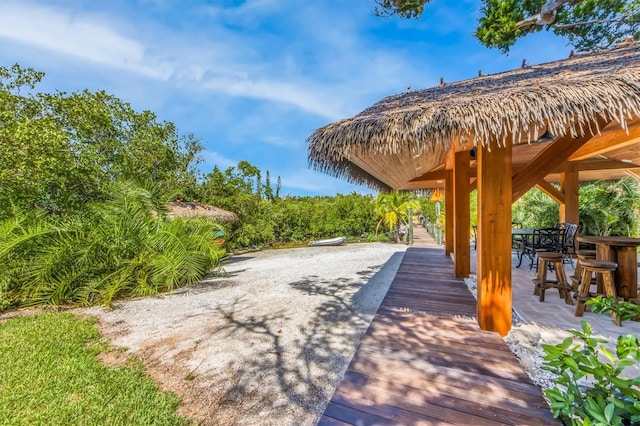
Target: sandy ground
265, 344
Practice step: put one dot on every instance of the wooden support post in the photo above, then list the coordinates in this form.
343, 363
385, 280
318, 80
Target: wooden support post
448, 210
570, 187
462, 215
494, 230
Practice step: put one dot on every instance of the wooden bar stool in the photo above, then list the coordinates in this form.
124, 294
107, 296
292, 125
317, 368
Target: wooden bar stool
545, 259
598, 267
582, 255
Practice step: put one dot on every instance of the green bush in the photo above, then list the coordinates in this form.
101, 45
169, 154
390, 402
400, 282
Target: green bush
589, 390
123, 247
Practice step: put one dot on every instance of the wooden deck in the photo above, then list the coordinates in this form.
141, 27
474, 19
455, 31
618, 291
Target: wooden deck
424, 360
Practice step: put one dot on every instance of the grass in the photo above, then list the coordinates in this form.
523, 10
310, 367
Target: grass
50, 374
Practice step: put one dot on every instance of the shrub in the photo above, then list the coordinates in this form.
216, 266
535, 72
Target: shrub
591, 391
621, 310
123, 247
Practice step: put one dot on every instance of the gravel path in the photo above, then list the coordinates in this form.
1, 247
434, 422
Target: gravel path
267, 343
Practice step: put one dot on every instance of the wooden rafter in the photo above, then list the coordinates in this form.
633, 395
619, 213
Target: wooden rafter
550, 190
554, 154
608, 141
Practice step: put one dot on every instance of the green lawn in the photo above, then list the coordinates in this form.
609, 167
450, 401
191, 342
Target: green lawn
50, 374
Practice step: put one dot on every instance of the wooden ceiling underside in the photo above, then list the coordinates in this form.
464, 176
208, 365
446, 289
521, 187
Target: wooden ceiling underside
613, 154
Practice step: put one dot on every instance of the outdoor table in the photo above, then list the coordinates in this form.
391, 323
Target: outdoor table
621, 250
522, 231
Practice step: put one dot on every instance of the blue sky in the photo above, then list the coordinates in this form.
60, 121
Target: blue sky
253, 79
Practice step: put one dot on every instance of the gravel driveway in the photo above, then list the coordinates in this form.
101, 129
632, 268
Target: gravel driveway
267, 342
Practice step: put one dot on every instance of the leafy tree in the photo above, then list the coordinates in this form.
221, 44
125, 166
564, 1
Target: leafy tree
588, 24
606, 208
236, 189
535, 210
60, 151
610, 208
268, 190
274, 220
278, 187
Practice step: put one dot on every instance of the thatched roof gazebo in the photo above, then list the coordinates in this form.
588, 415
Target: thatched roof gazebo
563, 121
197, 209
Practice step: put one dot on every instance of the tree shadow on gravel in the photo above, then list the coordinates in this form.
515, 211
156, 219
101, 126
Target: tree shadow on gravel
307, 369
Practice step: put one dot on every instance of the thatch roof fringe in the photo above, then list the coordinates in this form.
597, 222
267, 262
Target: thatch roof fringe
197, 209
565, 96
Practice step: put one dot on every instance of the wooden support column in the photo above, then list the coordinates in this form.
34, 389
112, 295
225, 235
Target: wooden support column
570, 187
448, 210
494, 230
462, 215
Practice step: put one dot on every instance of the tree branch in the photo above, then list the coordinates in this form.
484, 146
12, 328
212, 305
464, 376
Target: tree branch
624, 19
547, 15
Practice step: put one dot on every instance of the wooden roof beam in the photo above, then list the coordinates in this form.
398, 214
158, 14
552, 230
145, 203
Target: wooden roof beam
551, 191
608, 141
598, 164
547, 160
436, 174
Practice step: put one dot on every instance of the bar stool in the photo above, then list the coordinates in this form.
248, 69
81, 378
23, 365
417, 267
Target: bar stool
545, 259
582, 255
590, 267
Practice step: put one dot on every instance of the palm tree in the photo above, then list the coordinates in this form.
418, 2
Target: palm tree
393, 210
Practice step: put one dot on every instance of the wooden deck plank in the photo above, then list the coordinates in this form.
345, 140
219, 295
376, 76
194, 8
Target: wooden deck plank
424, 359
422, 410
330, 421
434, 404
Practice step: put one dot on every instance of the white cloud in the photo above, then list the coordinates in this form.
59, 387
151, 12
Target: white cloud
304, 98
78, 36
210, 67
314, 182
212, 159
328, 80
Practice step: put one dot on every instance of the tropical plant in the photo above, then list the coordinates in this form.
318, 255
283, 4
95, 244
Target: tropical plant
589, 390
587, 24
536, 210
123, 247
621, 310
393, 210
605, 208
610, 208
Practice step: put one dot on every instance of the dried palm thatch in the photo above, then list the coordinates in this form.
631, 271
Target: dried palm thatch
565, 97
197, 209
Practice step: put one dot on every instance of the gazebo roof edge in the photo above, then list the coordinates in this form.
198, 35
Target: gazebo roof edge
565, 96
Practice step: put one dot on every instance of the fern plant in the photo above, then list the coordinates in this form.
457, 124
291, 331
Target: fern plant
122, 247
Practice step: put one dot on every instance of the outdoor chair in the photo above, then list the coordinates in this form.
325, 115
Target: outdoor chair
542, 240
516, 240
568, 241
474, 229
